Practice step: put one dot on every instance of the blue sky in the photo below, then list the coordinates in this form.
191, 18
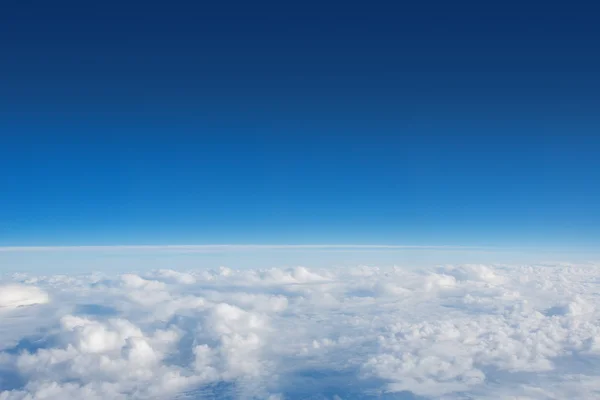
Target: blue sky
433, 124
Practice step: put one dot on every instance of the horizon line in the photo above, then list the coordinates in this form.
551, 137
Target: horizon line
247, 247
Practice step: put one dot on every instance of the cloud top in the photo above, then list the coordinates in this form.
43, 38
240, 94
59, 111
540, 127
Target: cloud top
456, 331
14, 295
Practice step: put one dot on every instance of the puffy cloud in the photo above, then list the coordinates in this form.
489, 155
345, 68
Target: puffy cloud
176, 276
136, 282
14, 295
480, 331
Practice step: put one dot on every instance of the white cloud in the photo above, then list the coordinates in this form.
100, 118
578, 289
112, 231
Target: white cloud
14, 295
479, 331
134, 281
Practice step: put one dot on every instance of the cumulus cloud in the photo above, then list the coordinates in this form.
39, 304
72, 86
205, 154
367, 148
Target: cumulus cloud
14, 295
453, 332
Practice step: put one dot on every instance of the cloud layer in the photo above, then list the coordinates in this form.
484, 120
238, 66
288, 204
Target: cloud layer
452, 332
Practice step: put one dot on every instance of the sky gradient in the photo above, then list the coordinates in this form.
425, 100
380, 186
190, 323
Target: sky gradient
420, 124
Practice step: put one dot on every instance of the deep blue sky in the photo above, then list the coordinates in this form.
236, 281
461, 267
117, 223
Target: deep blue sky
330, 122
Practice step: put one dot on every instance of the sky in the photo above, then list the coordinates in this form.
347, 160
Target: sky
417, 123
